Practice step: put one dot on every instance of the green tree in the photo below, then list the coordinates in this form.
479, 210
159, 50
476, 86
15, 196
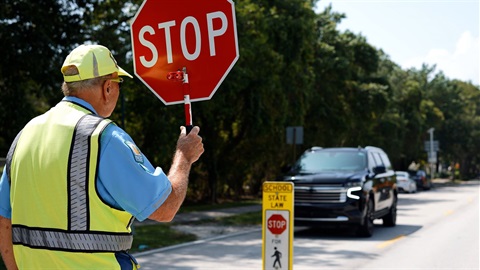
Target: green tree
32, 54
348, 97
267, 90
459, 132
295, 69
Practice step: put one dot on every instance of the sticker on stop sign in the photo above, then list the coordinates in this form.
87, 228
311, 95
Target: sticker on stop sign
198, 36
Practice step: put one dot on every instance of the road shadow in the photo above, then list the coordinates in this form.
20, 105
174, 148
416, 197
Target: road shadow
411, 200
381, 233
406, 199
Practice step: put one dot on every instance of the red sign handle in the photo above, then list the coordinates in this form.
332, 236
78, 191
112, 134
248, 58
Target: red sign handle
182, 76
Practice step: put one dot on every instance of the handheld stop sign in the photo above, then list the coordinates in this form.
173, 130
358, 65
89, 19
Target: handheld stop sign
183, 50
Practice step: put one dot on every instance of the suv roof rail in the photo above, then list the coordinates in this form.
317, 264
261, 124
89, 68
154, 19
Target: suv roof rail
314, 148
373, 148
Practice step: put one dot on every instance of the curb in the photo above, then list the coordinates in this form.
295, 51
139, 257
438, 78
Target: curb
153, 251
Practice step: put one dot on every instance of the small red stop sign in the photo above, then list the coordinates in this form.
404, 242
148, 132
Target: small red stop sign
276, 224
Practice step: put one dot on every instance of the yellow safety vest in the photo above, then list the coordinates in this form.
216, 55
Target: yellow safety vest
58, 219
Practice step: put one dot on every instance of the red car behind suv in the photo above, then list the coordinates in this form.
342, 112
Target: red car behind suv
421, 179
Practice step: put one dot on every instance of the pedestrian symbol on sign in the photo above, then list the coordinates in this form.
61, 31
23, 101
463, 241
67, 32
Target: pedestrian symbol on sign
277, 254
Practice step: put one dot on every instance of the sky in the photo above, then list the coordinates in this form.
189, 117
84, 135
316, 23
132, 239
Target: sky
444, 33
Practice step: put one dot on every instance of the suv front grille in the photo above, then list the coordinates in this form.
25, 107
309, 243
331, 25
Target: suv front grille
314, 193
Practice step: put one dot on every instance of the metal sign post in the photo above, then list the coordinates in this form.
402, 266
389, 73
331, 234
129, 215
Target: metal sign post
294, 137
432, 157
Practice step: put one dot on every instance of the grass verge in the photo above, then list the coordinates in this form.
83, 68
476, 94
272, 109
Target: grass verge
159, 235
187, 208
156, 236
252, 218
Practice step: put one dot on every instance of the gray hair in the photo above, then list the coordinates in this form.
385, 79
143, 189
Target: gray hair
71, 88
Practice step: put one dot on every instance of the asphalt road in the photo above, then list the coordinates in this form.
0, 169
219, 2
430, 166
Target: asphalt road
436, 229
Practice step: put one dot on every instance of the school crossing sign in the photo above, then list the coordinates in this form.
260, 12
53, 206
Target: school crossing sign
277, 228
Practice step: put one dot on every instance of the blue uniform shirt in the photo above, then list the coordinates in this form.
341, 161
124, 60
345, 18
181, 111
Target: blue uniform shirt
126, 179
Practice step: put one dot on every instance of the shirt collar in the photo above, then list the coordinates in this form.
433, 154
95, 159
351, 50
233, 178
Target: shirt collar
81, 102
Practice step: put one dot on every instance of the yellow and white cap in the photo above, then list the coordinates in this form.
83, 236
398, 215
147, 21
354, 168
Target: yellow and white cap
91, 61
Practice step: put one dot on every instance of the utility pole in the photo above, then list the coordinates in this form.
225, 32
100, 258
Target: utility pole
431, 158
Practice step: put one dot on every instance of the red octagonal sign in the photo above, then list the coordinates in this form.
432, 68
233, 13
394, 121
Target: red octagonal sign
276, 224
199, 35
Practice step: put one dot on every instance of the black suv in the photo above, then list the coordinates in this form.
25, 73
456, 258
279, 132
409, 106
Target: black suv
344, 186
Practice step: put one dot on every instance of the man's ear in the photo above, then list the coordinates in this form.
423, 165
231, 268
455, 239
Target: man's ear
106, 89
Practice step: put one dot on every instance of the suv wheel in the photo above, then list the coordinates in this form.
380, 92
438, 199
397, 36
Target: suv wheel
390, 219
428, 186
366, 229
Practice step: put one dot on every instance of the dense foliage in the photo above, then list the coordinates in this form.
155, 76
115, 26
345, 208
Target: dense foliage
295, 69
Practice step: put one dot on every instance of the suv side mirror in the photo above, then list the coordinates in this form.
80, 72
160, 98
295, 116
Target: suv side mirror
379, 170
286, 168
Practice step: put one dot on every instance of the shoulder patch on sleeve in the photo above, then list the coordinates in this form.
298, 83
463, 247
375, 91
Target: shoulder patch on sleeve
137, 154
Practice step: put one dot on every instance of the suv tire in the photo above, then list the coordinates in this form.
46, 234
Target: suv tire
390, 220
428, 186
366, 228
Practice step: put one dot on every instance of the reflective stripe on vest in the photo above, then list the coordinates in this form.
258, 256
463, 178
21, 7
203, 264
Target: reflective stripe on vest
78, 173
78, 236
71, 241
9, 157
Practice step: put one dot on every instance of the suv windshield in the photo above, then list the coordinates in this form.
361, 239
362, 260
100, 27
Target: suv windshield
312, 162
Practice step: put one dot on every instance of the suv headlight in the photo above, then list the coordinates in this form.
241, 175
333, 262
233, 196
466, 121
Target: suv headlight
353, 187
